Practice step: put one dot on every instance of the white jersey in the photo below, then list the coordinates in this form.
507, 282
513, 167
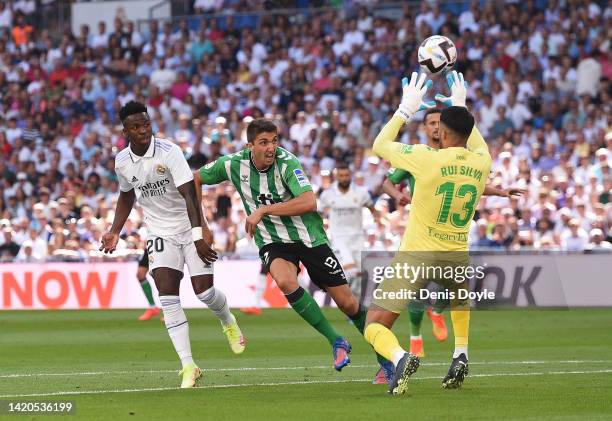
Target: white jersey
156, 176
345, 209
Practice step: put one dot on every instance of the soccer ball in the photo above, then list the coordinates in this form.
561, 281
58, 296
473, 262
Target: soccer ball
437, 53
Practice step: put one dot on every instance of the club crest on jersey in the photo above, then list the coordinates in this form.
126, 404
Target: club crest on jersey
160, 169
300, 177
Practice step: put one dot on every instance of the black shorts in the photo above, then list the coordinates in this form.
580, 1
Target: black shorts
322, 265
144, 260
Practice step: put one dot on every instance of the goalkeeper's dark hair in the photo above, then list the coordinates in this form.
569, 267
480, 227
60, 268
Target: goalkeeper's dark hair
260, 125
459, 120
132, 107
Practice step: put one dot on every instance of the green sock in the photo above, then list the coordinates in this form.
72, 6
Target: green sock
441, 304
304, 305
359, 319
148, 292
416, 309
359, 322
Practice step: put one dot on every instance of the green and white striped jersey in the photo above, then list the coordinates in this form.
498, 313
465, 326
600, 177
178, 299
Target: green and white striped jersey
283, 181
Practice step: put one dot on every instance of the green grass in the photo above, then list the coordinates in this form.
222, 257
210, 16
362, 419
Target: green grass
127, 354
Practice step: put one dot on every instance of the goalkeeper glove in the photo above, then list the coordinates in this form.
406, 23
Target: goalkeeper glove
458, 87
412, 96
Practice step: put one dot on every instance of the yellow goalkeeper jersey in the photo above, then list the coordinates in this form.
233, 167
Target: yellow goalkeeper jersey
450, 182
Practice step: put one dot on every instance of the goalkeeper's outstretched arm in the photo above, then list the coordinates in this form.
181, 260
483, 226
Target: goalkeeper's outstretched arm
412, 101
384, 142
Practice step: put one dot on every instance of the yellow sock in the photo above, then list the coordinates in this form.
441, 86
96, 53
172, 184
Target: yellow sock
384, 342
461, 326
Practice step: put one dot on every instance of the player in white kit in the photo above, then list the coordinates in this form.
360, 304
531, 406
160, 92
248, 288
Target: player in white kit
345, 202
155, 172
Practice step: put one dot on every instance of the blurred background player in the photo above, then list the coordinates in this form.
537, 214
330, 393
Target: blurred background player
283, 219
141, 275
158, 171
343, 203
416, 308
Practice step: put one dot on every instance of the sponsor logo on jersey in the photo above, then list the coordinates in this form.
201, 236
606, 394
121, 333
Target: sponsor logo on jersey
266, 199
406, 149
134, 179
210, 165
301, 177
160, 169
158, 188
244, 178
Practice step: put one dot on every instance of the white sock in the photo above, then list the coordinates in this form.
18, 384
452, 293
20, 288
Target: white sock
178, 328
460, 350
397, 356
416, 337
260, 288
215, 300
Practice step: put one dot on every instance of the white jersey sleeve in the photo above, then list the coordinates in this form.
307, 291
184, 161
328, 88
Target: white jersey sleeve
366, 199
324, 200
124, 186
178, 166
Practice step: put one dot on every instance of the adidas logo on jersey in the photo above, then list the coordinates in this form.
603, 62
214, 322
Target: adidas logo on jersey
134, 179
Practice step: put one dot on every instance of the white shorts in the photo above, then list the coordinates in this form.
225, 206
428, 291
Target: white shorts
174, 251
348, 249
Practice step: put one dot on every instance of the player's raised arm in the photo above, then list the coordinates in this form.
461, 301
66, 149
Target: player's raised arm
476, 142
458, 88
399, 155
183, 179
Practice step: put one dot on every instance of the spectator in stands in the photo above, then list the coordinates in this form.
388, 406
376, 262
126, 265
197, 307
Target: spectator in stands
539, 86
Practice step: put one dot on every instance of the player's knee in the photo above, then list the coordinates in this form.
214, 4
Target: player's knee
287, 283
167, 283
378, 315
348, 304
202, 283
168, 291
141, 273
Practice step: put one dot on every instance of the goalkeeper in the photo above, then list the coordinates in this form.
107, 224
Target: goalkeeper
451, 180
397, 177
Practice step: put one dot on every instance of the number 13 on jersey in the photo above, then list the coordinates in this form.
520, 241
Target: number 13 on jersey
466, 192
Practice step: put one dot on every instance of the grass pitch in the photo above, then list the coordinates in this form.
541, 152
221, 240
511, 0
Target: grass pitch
523, 364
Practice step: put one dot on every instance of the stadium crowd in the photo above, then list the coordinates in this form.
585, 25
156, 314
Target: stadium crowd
539, 85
